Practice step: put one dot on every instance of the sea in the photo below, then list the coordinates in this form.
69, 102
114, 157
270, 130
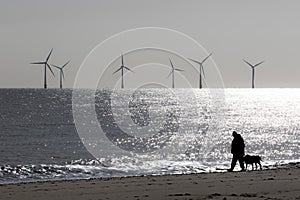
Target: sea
63, 134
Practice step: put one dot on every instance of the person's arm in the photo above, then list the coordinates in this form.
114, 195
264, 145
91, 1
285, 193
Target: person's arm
243, 143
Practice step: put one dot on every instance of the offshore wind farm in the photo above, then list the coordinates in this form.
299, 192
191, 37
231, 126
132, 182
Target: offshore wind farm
122, 69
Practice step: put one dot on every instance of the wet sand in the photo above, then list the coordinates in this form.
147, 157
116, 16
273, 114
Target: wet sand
265, 184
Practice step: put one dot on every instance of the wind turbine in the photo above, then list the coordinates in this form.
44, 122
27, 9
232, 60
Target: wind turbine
61, 73
173, 72
45, 63
122, 67
253, 68
201, 69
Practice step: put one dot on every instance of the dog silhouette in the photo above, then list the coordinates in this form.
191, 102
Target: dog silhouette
252, 160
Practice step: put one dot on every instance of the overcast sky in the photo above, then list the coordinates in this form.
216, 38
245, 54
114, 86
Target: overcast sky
255, 30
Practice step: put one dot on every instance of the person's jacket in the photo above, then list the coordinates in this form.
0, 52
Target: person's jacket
237, 145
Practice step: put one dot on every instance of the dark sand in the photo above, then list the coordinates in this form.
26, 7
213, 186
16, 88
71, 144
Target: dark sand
265, 184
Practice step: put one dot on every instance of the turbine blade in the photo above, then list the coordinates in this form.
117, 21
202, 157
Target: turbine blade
204, 83
128, 69
65, 64
122, 59
170, 74
203, 71
62, 73
259, 63
117, 70
206, 58
49, 55
50, 70
195, 61
171, 64
38, 63
55, 66
180, 70
248, 63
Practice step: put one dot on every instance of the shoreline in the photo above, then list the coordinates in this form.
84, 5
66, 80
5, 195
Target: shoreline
282, 165
280, 183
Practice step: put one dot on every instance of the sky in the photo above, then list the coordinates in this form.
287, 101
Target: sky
233, 30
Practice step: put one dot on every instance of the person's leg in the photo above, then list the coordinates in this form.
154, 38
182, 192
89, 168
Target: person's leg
233, 162
241, 161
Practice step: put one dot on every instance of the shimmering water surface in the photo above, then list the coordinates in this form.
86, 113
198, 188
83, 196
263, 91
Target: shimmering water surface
149, 131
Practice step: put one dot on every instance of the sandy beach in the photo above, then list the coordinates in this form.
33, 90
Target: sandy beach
266, 184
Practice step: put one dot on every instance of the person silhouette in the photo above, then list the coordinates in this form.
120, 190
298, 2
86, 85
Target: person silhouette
237, 150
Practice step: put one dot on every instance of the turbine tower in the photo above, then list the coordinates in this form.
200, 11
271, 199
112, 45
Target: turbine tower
201, 69
45, 63
173, 73
253, 69
61, 73
122, 67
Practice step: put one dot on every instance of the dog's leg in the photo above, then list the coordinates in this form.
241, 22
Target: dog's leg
260, 166
255, 166
252, 167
